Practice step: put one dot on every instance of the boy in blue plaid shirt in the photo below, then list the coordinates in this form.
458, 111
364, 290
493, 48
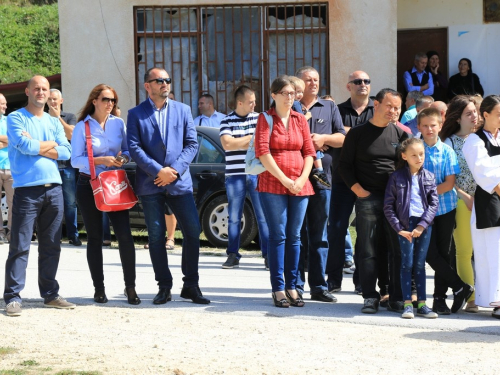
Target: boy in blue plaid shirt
441, 160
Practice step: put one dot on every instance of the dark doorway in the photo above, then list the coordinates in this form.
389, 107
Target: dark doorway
413, 41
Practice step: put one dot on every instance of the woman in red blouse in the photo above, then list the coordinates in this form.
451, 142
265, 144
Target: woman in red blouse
284, 187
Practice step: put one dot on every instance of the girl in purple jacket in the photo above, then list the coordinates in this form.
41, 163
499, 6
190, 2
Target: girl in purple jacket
410, 204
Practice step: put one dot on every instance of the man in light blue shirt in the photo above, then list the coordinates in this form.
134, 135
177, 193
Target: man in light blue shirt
36, 141
209, 116
417, 78
5, 175
410, 104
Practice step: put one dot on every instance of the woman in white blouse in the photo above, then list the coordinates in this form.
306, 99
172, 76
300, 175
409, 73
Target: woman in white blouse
482, 153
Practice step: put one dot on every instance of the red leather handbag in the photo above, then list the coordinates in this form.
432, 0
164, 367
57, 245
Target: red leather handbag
112, 189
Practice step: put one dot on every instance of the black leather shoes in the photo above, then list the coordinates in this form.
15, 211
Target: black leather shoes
323, 296
194, 293
162, 297
132, 296
100, 297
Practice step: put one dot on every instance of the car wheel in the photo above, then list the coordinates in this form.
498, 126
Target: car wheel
215, 223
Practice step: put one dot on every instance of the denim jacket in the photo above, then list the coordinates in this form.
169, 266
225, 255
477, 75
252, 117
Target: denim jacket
397, 198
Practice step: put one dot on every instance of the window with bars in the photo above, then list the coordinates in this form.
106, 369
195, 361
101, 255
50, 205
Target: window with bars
214, 49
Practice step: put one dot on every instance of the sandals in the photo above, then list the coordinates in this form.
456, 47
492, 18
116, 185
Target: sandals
170, 247
281, 303
297, 302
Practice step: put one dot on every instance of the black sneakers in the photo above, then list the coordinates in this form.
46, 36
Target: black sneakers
461, 296
439, 306
231, 262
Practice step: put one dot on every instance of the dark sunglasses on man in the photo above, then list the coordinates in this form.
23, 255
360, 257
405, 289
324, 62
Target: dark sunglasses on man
359, 81
160, 81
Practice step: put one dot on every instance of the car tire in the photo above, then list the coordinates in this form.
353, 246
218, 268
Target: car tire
215, 222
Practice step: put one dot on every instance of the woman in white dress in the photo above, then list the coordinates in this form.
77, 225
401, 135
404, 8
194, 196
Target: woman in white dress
482, 153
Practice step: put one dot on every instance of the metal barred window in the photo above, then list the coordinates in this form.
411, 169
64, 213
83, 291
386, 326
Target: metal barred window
214, 49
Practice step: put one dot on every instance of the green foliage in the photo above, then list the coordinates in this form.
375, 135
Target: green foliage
12, 372
29, 362
29, 42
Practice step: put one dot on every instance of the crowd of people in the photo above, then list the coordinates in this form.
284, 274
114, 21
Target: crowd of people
424, 186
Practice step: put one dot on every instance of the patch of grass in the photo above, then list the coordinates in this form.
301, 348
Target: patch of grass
12, 372
4, 350
29, 362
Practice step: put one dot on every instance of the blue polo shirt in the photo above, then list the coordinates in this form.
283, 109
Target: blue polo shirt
28, 168
441, 160
4, 152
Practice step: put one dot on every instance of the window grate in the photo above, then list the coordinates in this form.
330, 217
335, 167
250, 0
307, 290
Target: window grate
214, 49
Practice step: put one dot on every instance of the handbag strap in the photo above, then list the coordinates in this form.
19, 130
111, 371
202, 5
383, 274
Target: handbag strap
269, 120
90, 152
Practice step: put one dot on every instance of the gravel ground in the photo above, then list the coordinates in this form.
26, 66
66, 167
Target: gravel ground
240, 332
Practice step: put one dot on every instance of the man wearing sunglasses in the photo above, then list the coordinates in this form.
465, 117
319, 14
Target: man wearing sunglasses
355, 111
162, 141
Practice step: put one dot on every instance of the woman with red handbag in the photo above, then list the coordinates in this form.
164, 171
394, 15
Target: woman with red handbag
108, 151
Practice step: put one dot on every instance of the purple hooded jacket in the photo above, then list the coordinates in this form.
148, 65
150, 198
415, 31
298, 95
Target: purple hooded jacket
397, 198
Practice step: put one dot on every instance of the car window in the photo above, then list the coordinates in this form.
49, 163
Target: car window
208, 153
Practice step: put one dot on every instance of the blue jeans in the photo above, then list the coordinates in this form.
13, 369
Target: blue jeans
413, 256
43, 205
185, 211
373, 231
68, 177
284, 214
237, 188
341, 206
349, 252
315, 242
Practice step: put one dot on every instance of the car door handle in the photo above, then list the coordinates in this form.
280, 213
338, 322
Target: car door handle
206, 174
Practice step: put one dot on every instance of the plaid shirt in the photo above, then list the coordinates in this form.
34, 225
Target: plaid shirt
441, 160
288, 149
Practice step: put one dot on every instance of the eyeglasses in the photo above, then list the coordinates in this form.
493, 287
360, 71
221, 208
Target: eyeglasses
359, 81
160, 81
286, 94
107, 100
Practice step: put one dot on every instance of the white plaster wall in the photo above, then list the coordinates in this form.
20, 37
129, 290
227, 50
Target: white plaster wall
418, 14
362, 37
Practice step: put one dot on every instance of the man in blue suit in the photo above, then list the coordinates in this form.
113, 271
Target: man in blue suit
162, 141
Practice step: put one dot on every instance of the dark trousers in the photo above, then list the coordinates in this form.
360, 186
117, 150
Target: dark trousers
45, 207
314, 242
438, 255
92, 218
184, 209
372, 227
341, 205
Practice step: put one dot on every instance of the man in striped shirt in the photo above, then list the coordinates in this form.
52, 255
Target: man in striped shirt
236, 130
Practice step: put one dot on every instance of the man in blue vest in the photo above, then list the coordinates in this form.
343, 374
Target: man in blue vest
417, 78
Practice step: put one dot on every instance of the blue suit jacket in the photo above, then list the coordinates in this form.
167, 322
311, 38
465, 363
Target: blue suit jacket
151, 154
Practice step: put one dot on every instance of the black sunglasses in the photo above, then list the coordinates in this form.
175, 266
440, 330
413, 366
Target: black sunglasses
359, 81
107, 100
161, 80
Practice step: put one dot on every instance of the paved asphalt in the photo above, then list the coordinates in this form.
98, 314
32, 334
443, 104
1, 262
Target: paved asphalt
244, 291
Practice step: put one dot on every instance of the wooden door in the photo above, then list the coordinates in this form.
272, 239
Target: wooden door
410, 42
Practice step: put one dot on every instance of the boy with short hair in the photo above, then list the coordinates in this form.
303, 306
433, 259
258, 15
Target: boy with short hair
441, 160
317, 172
